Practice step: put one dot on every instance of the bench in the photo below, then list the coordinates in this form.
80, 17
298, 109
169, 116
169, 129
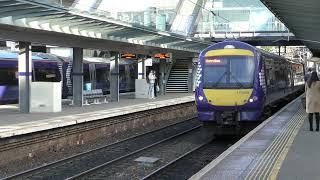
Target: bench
94, 97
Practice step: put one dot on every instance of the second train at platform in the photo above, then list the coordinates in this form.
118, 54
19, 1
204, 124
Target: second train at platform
236, 81
51, 68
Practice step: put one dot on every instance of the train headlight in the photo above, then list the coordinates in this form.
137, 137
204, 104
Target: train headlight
200, 98
254, 98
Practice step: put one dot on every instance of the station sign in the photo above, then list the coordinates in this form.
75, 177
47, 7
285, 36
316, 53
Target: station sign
162, 56
148, 62
128, 56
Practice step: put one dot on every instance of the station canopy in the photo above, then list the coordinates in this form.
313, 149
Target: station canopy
183, 25
154, 23
302, 18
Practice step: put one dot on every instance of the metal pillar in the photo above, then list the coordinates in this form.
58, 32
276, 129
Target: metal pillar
279, 48
141, 69
162, 70
25, 73
285, 49
190, 77
77, 76
114, 80
189, 26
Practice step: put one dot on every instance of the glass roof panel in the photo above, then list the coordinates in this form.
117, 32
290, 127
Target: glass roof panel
165, 15
85, 5
237, 16
184, 18
153, 14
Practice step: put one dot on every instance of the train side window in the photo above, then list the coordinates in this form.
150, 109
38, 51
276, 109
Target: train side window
102, 74
86, 74
8, 76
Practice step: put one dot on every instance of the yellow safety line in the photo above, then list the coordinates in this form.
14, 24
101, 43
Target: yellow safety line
278, 154
276, 149
280, 147
276, 146
265, 154
263, 162
275, 153
276, 168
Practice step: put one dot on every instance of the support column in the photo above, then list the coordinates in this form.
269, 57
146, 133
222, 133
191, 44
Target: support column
190, 77
279, 50
285, 49
141, 69
25, 73
162, 72
114, 80
77, 76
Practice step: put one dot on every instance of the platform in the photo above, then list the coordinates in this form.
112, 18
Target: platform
14, 123
282, 147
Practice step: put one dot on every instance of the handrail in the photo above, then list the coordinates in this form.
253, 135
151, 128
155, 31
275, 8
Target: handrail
167, 74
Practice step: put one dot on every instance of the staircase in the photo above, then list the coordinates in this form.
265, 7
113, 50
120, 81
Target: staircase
178, 78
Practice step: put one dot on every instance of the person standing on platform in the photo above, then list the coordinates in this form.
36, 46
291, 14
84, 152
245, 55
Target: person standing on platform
313, 99
307, 75
155, 84
151, 79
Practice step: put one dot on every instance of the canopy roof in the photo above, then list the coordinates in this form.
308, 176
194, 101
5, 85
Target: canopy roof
302, 18
44, 15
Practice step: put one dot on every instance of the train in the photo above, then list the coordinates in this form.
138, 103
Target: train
51, 68
235, 82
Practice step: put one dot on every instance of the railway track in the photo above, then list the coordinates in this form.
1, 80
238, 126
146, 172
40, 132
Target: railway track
164, 151
77, 164
191, 162
182, 149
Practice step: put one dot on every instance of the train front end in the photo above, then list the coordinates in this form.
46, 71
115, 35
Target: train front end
228, 84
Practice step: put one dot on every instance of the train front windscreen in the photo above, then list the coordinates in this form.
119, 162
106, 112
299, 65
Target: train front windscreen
234, 72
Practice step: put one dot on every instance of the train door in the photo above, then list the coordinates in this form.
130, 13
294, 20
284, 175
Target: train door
92, 73
268, 74
86, 77
102, 77
9, 90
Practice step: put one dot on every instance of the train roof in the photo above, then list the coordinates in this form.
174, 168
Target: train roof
35, 56
12, 55
99, 60
241, 44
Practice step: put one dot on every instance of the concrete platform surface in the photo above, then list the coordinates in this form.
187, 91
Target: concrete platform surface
263, 152
14, 123
303, 159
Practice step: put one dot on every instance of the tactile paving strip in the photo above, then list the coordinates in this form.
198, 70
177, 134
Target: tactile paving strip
269, 163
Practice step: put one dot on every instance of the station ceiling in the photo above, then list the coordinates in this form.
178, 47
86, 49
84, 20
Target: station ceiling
47, 18
302, 18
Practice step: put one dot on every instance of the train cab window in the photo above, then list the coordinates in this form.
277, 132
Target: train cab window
46, 75
229, 72
241, 71
8, 76
46, 72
